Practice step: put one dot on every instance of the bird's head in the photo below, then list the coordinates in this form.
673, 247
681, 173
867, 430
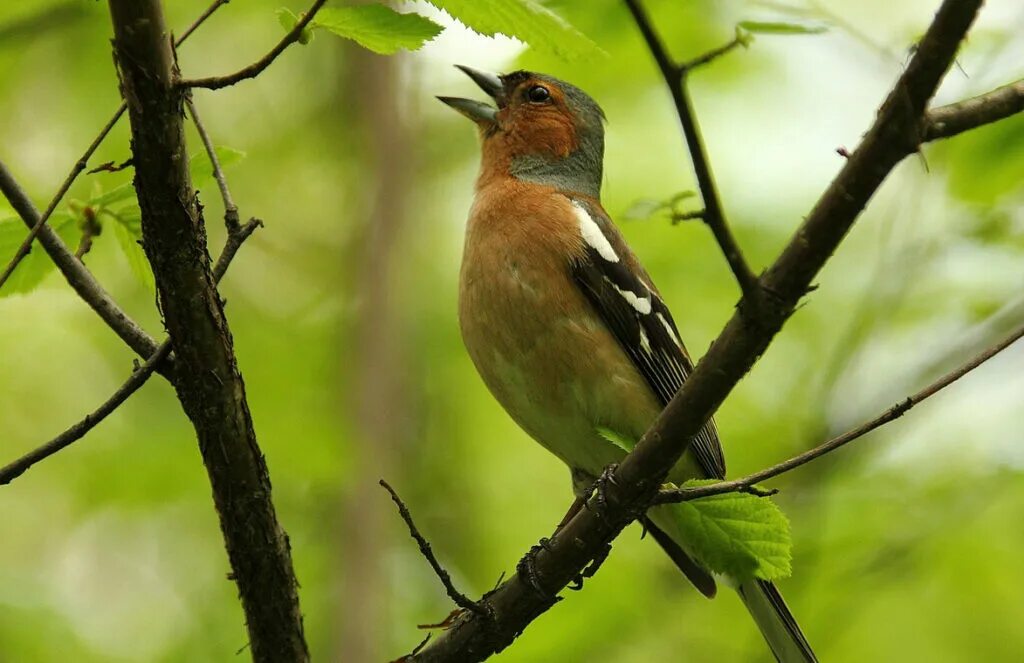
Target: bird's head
540, 130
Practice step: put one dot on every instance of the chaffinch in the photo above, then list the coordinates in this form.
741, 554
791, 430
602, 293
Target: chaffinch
563, 323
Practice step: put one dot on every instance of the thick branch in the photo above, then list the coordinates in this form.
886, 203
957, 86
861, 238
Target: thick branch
256, 68
635, 482
675, 78
948, 121
207, 380
893, 413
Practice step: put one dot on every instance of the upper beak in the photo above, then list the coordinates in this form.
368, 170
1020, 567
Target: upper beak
478, 111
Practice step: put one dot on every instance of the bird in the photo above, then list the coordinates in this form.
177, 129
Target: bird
564, 324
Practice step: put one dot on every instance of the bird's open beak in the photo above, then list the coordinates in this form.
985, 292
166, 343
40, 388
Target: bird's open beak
478, 111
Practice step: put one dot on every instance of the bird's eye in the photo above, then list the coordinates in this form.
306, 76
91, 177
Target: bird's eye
538, 94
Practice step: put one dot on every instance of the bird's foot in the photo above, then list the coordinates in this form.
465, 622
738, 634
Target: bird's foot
527, 569
599, 491
591, 569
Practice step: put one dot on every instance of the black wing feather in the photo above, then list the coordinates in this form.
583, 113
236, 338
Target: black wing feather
643, 326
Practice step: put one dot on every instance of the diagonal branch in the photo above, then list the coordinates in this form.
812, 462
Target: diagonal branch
78, 276
230, 209
139, 377
635, 482
675, 76
893, 413
948, 121
256, 68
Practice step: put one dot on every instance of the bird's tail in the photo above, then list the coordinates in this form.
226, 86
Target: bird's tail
762, 599
777, 624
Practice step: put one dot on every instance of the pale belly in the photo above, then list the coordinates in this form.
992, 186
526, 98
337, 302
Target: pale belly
553, 365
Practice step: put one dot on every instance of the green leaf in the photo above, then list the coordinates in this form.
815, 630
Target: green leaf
741, 535
288, 19
116, 195
781, 28
34, 267
202, 170
616, 438
527, 21
128, 231
378, 28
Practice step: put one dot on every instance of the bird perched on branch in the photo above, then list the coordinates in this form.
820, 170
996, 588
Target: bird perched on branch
562, 321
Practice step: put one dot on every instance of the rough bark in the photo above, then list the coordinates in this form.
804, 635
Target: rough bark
206, 376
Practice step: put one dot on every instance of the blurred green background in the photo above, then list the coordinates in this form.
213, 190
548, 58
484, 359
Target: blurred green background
907, 545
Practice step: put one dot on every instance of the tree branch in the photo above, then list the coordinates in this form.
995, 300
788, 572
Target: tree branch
715, 53
635, 482
230, 209
77, 275
207, 379
256, 68
139, 377
675, 76
53, 243
893, 413
948, 121
454, 594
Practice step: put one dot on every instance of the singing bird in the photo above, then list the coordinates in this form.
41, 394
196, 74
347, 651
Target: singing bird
563, 323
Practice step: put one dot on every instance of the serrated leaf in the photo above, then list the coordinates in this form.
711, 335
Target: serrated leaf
781, 28
128, 231
116, 195
202, 170
378, 28
34, 267
737, 534
525, 20
616, 438
288, 19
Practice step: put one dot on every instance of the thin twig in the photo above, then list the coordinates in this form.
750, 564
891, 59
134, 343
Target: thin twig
76, 170
893, 413
715, 53
948, 121
230, 209
675, 78
256, 68
139, 376
83, 161
458, 597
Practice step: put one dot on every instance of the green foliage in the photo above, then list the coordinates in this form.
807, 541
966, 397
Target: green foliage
288, 19
201, 168
741, 535
378, 28
525, 20
127, 224
781, 28
34, 267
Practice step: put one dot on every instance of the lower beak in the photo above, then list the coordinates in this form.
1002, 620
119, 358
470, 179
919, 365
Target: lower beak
478, 111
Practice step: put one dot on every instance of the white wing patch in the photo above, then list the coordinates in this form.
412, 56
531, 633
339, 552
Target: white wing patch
641, 305
668, 328
592, 234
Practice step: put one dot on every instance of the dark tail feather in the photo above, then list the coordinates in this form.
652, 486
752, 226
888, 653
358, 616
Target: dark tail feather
776, 622
700, 578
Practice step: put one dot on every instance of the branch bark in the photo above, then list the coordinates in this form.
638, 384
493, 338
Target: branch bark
948, 121
634, 483
206, 377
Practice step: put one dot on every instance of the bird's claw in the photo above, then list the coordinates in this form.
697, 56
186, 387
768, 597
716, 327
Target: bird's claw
591, 569
599, 491
527, 569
